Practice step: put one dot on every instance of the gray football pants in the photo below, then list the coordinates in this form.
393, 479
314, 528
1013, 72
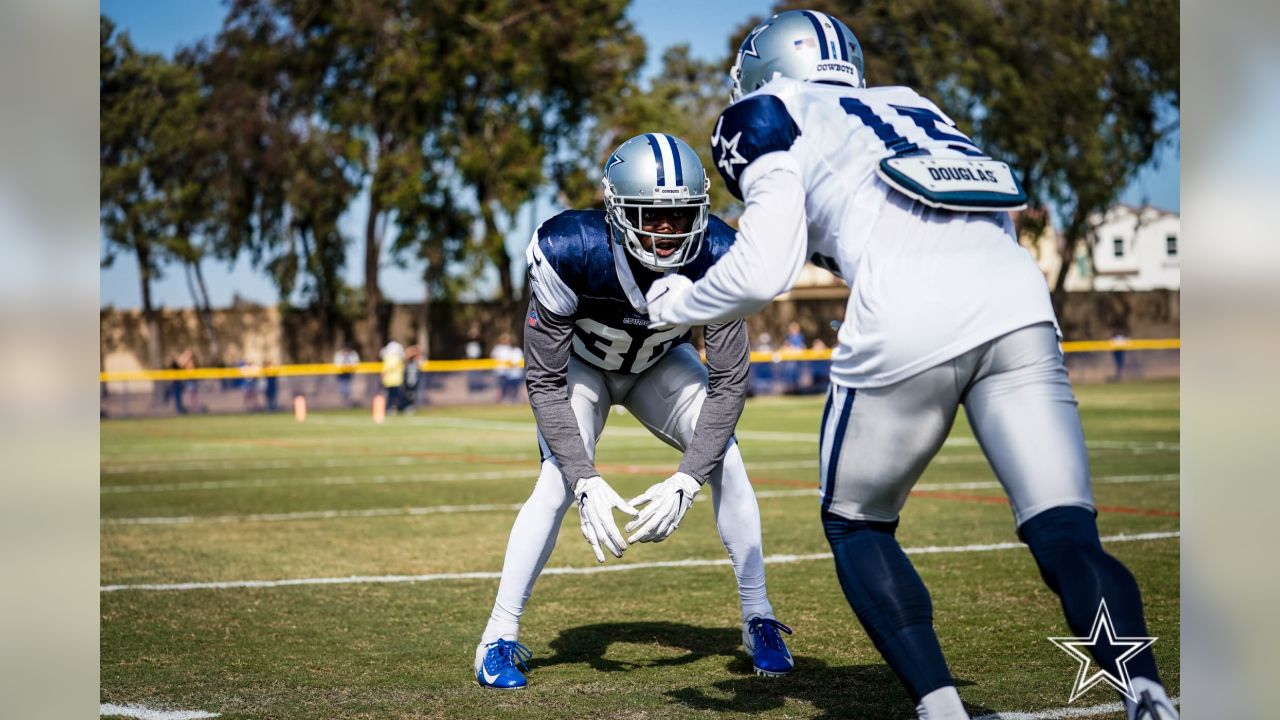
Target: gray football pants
876, 442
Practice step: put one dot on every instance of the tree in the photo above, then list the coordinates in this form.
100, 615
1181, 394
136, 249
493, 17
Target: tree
683, 100
149, 110
276, 178
525, 81
1069, 92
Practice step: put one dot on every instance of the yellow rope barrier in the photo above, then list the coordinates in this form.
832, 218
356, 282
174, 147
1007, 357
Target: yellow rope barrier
367, 368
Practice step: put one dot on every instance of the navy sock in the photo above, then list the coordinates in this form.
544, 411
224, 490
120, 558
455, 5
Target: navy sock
1065, 544
890, 601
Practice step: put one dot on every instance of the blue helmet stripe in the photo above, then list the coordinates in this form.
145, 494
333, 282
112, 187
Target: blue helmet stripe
822, 37
844, 44
657, 158
675, 156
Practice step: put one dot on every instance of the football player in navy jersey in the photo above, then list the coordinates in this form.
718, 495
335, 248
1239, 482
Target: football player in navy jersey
945, 310
589, 346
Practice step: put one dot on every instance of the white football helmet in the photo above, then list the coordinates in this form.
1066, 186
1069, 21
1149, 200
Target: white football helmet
800, 44
657, 172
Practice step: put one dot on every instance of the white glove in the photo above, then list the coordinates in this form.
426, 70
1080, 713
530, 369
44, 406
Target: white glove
665, 292
668, 501
596, 501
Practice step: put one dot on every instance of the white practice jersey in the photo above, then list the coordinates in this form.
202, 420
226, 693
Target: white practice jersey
926, 284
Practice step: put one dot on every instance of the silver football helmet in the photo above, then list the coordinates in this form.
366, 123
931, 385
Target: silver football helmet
656, 191
800, 44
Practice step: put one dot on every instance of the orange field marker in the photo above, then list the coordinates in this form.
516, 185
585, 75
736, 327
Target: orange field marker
379, 408
300, 408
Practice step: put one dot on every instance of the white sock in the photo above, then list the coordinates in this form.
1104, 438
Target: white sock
738, 520
1140, 685
942, 704
533, 537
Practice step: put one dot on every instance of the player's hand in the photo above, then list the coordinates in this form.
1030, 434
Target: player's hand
667, 502
665, 292
596, 501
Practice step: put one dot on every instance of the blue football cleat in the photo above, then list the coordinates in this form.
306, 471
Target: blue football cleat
769, 654
496, 665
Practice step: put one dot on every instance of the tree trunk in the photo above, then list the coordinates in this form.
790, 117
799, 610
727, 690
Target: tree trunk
424, 320
204, 309
1075, 233
1058, 292
372, 296
324, 294
155, 344
498, 255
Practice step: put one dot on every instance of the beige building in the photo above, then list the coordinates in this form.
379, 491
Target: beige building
1130, 248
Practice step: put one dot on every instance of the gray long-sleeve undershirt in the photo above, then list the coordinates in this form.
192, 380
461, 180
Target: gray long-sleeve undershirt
728, 363
548, 345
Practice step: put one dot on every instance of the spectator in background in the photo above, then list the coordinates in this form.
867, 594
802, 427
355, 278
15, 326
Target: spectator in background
271, 386
510, 373
820, 370
249, 381
346, 359
1118, 339
474, 349
412, 373
794, 341
174, 390
393, 375
761, 378
183, 362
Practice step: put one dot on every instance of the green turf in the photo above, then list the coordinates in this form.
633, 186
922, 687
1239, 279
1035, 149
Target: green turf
651, 643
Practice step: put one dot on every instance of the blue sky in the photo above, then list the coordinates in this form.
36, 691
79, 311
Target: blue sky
705, 25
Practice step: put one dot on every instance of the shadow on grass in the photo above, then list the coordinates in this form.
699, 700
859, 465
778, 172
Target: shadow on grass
871, 692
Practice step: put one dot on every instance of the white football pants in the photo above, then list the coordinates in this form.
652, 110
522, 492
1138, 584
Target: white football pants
876, 442
665, 399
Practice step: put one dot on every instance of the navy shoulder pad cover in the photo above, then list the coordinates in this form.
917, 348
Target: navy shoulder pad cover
720, 237
749, 128
573, 241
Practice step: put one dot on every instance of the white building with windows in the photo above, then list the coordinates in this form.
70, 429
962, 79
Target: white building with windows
1137, 249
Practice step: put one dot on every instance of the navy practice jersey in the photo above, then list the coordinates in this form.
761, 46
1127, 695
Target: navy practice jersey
578, 272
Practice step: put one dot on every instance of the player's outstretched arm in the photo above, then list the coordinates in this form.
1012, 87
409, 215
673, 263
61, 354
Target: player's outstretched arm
765, 260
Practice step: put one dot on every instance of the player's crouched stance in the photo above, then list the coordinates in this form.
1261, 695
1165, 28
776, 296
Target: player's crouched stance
588, 346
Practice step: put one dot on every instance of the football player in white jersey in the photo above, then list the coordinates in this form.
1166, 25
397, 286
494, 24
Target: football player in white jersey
589, 346
945, 309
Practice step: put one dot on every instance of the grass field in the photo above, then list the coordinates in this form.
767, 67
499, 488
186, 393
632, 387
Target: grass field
230, 499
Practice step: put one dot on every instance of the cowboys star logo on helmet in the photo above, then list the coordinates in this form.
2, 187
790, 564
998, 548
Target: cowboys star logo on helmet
800, 44
656, 173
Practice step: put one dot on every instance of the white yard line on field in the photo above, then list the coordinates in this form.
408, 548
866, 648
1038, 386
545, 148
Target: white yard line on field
764, 435
590, 570
322, 480
311, 515
531, 473
290, 463
491, 507
145, 713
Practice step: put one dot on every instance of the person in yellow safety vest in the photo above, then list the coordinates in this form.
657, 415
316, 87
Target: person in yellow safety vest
393, 375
